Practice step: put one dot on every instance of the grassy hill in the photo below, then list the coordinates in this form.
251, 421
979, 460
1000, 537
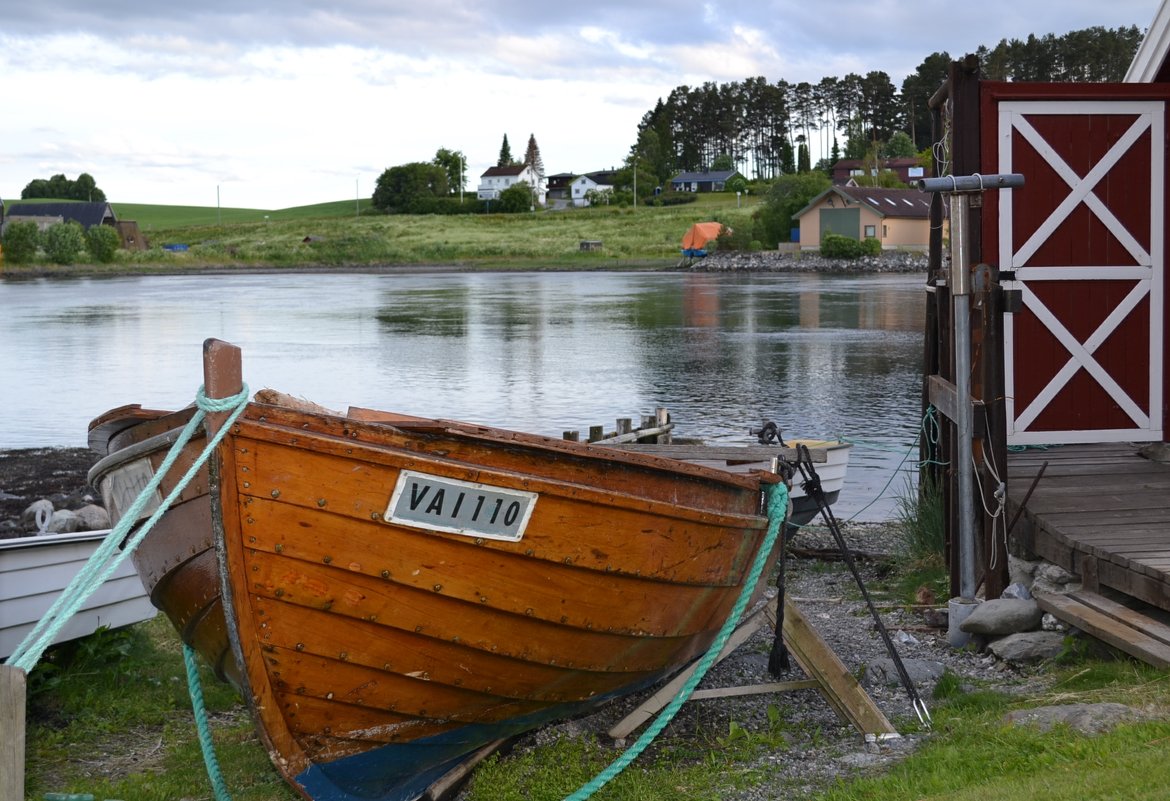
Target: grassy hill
336, 235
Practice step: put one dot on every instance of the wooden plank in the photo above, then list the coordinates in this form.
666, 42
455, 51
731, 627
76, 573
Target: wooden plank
718, 453
446, 785
838, 685
1117, 632
652, 705
1131, 617
756, 689
634, 434
12, 732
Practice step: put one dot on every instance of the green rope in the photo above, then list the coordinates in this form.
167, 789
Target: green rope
777, 511
106, 559
195, 688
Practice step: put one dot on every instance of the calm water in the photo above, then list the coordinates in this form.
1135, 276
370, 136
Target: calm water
540, 352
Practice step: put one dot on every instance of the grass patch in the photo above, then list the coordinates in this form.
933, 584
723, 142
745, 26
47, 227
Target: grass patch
333, 235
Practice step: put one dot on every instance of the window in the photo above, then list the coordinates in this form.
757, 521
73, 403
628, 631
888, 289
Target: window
885, 232
870, 231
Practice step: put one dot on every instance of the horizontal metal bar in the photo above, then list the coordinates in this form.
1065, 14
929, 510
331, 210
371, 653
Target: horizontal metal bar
970, 183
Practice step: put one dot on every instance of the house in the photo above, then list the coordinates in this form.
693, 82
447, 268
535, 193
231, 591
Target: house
46, 214
558, 185
850, 170
496, 179
590, 182
897, 217
702, 181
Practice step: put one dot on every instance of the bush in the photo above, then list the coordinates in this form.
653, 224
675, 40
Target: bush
871, 247
515, 199
835, 246
102, 242
672, 199
63, 241
20, 242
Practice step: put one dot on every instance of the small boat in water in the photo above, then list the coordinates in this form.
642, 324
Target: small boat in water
34, 570
392, 593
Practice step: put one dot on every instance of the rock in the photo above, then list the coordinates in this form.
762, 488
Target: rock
93, 518
1051, 622
1085, 718
1156, 451
64, 522
1016, 591
807, 261
1029, 646
36, 517
882, 672
1021, 571
1054, 574
1002, 616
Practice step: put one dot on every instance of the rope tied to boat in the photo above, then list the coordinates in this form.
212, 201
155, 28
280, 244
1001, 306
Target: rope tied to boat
107, 558
777, 509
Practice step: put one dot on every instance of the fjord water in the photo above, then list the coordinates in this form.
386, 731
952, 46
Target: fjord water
543, 352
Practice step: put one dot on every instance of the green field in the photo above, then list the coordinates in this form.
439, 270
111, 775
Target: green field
340, 235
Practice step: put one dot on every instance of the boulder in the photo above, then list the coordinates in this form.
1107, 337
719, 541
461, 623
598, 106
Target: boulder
1002, 616
1029, 646
64, 522
1085, 718
93, 518
882, 672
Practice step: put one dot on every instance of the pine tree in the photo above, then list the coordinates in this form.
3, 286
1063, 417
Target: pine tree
532, 159
505, 154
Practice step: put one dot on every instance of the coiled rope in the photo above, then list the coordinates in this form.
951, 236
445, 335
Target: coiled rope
777, 512
106, 559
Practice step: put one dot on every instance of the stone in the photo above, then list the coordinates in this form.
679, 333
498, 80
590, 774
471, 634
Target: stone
36, 517
882, 672
1029, 646
1051, 622
1054, 574
1017, 591
1002, 616
64, 522
1156, 451
93, 518
1085, 718
1021, 571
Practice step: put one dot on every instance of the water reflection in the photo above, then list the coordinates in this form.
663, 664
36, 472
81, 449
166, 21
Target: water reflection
544, 352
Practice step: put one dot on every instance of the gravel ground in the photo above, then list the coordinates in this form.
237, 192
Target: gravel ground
821, 748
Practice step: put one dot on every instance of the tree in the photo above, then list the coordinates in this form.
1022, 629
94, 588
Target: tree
20, 242
788, 195
900, 146
722, 163
454, 163
398, 188
505, 159
102, 242
516, 198
59, 187
63, 241
533, 160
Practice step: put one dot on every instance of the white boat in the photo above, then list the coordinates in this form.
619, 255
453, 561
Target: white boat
33, 572
831, 473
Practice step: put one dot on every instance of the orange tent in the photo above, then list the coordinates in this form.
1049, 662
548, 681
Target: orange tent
694, 241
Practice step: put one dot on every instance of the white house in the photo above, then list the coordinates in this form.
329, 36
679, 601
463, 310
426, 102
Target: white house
583, 184
497, 179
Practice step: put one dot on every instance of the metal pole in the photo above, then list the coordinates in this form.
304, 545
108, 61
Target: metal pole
960, 294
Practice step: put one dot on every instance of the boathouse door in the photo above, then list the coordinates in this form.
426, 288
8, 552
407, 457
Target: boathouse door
1084, 240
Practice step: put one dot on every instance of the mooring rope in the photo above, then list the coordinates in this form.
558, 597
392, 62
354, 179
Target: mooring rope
106, 559
195, 688
777, 512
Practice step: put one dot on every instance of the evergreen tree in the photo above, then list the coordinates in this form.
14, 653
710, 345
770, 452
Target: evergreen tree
533, 160
505, 154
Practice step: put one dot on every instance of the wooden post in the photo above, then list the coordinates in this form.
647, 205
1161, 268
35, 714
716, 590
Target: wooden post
223, 376
596, 433
12, 719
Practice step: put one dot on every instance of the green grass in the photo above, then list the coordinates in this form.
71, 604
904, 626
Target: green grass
332, 235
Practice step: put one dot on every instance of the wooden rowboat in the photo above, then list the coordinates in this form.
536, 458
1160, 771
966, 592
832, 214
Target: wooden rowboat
397, 592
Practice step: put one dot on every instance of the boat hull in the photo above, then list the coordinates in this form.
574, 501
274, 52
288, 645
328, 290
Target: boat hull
376, 649
35, 570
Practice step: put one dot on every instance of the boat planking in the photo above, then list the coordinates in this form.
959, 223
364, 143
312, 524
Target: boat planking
392, 593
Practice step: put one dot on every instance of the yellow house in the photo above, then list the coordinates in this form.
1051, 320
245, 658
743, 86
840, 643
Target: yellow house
899, 218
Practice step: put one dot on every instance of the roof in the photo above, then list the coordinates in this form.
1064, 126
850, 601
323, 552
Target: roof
492, 172
703, 177
1149, 62
887, 164
85, 213
912, 203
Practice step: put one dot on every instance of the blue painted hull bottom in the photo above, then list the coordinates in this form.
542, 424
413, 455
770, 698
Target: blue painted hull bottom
403, 771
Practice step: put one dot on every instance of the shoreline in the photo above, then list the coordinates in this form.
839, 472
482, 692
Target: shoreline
770, 261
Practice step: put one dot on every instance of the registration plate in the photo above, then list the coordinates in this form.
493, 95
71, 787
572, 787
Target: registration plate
460, 507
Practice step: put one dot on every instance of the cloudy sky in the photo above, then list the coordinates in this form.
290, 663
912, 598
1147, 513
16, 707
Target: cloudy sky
278, 103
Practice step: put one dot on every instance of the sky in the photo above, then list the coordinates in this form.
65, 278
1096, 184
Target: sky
276, 103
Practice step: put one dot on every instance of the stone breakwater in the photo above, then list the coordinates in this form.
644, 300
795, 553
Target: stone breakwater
771, 261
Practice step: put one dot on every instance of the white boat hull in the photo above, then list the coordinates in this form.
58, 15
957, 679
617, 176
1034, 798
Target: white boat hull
34, 571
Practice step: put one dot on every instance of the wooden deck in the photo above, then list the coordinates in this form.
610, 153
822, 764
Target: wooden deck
1101, 511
